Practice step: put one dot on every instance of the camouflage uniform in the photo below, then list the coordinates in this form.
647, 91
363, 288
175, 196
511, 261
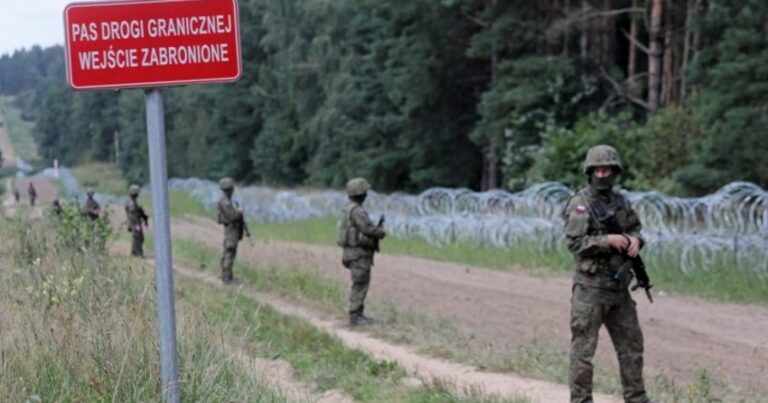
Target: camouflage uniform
32, 194
91, 208
232, 220
137, 218
359, 238
597, 298
56, 208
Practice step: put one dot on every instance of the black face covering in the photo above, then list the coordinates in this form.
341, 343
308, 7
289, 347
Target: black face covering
603, 184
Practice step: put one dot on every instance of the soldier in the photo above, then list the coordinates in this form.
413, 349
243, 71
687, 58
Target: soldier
597, 298
56, 208
359, 238
32, 192
16, 194
137, 219
91, 208
231, 217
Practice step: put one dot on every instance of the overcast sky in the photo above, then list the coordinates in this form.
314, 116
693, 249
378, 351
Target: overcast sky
25, 23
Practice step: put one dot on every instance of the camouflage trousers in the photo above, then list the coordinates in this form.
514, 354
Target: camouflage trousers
360, 271
227, 260
590, 309
137, 244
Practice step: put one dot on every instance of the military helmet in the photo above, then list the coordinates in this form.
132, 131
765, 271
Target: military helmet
602, 156
89, 191
357, 186
134, 190
226, 184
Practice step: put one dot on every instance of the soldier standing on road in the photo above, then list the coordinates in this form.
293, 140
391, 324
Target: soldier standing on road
359, 238
137, 219
91, 208
231, 217
598, 299
32, 193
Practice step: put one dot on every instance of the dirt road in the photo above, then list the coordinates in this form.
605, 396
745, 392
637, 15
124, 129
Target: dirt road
682, 334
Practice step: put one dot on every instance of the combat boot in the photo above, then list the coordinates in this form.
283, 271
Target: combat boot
357, 319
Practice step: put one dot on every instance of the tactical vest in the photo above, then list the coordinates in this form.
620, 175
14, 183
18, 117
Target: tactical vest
597, 271
349, 236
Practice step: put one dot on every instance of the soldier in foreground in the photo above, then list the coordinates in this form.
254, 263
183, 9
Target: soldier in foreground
32, 192
359, 238
137, 219
91, 208
603, 233
231, 217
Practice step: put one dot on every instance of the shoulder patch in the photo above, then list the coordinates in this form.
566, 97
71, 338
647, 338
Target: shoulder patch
580, 208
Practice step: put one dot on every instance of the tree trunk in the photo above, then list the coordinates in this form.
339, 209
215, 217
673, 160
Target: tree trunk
491, 165
584, 40
668, 90
632, 63
609, 23
687, 39
567, 29
654, 56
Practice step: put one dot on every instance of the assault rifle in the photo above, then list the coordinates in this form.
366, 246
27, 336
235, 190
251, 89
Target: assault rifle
243, 225
379, 225
633, 264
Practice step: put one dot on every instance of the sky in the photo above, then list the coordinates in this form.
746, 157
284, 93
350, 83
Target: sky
25, 23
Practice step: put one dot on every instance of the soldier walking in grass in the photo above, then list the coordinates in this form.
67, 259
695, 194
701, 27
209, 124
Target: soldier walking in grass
32, 192
91, 208
602, 232
359, 238
16, 194
231, 217
137, 219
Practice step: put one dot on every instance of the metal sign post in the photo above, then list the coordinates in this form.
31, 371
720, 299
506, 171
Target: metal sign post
119, 44
158, 178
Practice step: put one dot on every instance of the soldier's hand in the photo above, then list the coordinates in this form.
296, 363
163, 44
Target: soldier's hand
618, 242
634, 246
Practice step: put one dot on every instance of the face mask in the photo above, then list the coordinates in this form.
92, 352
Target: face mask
602, 184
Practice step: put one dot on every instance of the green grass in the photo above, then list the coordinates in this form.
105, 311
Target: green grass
180, 204
79, 325
101, 176
19, 131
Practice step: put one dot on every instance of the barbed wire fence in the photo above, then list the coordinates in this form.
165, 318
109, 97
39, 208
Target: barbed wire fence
727, 229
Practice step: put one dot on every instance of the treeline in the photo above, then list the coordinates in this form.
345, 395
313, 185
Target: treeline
419, 93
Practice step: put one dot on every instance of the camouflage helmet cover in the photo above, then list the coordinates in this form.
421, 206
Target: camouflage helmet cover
134, 190
602, 156
357, 187
226, 184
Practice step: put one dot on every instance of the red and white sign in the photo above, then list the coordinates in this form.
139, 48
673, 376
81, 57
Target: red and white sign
151, 43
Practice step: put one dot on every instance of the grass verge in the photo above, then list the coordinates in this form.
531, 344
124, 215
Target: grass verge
102, 176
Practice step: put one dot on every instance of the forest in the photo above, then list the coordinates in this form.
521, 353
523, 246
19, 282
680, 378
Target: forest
412, 94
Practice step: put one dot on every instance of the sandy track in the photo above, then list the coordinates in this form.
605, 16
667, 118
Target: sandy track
460, 377
683, 334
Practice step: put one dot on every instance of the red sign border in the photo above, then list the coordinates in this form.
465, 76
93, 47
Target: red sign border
153, 84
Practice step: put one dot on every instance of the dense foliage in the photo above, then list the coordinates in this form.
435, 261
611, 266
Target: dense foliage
471, 93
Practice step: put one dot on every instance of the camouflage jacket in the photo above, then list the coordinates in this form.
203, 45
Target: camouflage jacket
231, 219
357, 234
92, 209
587, 237
135, 214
